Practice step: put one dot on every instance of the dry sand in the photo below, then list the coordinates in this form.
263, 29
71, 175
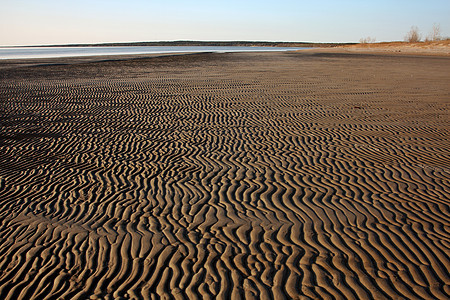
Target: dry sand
436, 48
258, 175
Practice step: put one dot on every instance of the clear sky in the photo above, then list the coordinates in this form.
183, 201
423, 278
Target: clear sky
40, 22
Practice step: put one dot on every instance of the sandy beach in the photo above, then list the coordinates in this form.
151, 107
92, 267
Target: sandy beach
430, 48
281, 175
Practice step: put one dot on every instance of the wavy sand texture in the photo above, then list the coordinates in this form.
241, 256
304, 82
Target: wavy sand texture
272, 175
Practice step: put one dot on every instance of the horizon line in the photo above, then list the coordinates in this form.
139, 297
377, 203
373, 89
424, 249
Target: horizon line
143, 43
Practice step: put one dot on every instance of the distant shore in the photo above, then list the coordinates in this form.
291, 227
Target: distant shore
204, 43
439, 48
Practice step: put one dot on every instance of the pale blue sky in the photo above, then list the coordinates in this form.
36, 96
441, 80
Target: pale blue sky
32, 22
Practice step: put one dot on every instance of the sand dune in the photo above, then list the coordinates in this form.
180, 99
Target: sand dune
271, 175
438, 48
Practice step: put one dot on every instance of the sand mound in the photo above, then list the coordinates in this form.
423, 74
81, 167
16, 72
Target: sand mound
272, 175
436, 48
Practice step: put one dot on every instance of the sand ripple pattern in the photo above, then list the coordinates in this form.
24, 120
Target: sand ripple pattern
226, 176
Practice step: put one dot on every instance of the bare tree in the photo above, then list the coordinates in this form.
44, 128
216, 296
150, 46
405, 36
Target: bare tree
367, 40
413, 35
435, 34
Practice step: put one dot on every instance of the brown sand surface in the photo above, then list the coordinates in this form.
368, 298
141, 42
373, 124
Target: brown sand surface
244, 175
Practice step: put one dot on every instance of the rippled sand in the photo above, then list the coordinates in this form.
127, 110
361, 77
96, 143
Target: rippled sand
271, 175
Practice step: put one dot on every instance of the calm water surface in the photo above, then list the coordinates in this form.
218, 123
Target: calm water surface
48, 52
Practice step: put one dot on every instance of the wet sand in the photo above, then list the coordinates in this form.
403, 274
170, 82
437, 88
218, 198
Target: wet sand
242, 175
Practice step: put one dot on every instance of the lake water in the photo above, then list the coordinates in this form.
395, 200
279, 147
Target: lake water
49, 52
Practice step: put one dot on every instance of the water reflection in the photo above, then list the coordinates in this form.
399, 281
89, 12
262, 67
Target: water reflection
48, 52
